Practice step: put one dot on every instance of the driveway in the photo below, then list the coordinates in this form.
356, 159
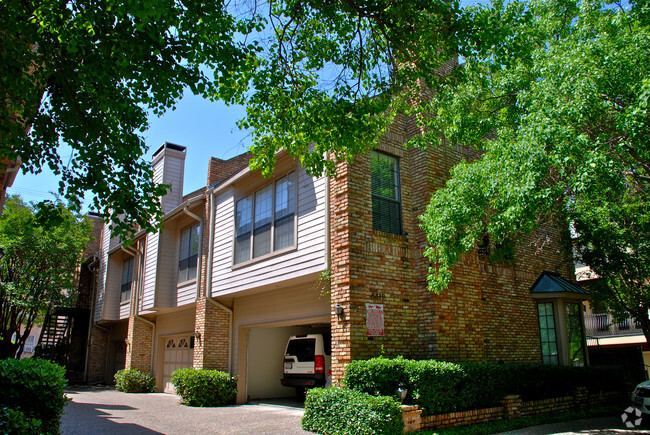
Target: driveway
106, 411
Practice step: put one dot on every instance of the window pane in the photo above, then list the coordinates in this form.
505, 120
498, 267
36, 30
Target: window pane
284, 232
191, 267
574, 332
185, 243
194, 245
547, 333
262, 240
242, 247
263, 213
285, 196
386, 205
243, 217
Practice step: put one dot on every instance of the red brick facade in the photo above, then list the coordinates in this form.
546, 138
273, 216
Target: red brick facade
211, 344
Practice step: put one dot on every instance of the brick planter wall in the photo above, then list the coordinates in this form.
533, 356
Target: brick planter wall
512, 407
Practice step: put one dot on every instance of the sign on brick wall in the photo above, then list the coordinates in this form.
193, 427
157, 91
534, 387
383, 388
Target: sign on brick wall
375, 320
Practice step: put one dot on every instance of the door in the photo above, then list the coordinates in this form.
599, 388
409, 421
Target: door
179, 354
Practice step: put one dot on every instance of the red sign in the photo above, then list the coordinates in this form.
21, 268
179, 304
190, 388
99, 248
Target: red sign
375, 320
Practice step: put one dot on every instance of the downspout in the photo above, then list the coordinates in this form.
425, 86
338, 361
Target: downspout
208, 280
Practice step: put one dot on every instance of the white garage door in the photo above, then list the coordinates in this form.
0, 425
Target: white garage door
179, 354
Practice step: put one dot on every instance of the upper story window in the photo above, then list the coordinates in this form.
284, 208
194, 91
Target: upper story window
189, 253
265, 220
127, 279
386, 197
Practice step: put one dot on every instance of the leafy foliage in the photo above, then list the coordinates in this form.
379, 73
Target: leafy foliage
439, 387
198, 387
37, 269
339, 410
556, 93
134, 381
87, 75
32, 389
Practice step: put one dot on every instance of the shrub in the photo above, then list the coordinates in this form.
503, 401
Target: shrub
440, 387
134, 381
204, 387
32, 395
339, 410
13, 421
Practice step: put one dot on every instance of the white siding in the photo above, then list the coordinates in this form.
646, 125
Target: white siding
309, 257
112, 286
167, 268
101, 274
186, 294
125, 310
150, 271
174, 168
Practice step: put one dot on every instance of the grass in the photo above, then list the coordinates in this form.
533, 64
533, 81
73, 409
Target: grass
507, 425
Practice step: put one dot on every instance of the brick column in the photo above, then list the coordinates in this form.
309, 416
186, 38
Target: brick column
581, 397
511, 406
211, 343
138, 345
97, 355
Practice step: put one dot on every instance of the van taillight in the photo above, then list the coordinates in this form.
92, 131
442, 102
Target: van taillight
319, 364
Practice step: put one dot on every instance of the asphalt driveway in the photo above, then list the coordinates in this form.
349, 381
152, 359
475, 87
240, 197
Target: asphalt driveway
106, 411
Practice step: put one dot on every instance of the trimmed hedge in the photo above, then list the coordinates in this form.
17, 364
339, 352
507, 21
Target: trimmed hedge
134, 381
204, 387
339, 410
32, 398
440, 387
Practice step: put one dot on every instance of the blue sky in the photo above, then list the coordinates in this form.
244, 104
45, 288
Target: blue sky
207, 129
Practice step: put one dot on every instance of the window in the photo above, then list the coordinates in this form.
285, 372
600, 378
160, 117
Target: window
127, 279
189, 253
386, 198
574, 333
265, 220
547, 333
30, 342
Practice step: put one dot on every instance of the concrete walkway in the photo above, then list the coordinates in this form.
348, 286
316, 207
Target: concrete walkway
106, 411
588, 426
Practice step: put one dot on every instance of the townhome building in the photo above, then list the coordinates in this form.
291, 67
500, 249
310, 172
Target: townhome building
246, 262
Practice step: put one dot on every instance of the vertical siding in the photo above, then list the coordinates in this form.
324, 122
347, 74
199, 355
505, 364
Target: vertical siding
101, 274
309, 257
150, 271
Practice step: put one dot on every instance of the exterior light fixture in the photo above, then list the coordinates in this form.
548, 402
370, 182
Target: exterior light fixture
340, 312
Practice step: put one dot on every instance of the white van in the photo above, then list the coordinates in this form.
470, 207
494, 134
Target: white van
307, 362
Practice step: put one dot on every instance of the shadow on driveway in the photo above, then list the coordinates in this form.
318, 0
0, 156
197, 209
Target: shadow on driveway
107, 411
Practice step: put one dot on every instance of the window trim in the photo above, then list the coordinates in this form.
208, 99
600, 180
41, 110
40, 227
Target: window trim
272, 253
198, 254
398, 190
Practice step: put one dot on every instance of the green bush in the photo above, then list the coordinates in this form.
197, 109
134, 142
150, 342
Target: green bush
339, 410
13, 421
134, 381
204, 387
440, 387
31, 395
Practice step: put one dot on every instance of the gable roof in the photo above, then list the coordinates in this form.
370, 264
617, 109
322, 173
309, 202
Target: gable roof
552, 282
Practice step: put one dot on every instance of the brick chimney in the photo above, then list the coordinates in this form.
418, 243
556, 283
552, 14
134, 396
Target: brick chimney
169, 168
219, 170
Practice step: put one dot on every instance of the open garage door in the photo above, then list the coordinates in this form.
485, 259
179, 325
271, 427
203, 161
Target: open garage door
265, 356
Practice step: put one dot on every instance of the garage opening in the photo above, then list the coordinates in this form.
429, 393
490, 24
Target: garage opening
266, 359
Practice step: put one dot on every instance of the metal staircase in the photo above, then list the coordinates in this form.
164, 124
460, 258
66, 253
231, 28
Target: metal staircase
55, 336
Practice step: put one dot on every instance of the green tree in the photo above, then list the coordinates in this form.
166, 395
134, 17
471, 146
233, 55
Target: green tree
87, 73
556, 93
38, 267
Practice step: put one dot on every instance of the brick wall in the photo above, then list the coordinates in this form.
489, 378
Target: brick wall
139, 345
97, 354
486, 314
212, 323
219, 170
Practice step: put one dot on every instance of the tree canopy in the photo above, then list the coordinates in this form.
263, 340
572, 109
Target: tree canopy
87, 73
557, 95
37, 269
